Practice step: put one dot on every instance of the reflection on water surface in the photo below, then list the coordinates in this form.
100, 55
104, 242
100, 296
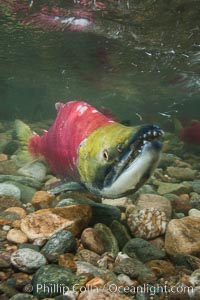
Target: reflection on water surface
136, 58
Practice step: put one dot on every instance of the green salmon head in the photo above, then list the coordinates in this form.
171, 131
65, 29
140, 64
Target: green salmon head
116, 160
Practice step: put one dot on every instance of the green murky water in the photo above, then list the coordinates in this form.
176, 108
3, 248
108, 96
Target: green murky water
142, 60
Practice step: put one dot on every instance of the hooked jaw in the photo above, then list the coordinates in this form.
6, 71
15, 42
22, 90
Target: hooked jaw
136, 164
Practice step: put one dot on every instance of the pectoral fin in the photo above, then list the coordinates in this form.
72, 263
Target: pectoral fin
66, 186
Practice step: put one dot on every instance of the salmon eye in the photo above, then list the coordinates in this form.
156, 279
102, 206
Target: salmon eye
105, 154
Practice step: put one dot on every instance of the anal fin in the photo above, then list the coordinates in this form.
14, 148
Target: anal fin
66, 186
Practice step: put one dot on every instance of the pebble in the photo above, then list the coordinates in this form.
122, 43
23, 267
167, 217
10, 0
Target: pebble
146, 189
143, 250
196, 186
154, 201
5, 259
146, 223
7, 218
102, 295
88, 256
182, 174
9, 189
7, 291
55, 276
16, 236
36, 170
174, 188
121, 203
120, 232
23, 296
3, 157
88, 268
96, 282
168, 159
27, 260
16, 224
3, 234
59, 243
45, 222
7, 201
92, 240
195, 200
8, 167
67, 260
27, 192
135, 269
181, 204
42, 199
108, 239
30, 246
18, 210
161, 268
195, 277
183, 236
125, 280
194, 212
188, 261
158, 242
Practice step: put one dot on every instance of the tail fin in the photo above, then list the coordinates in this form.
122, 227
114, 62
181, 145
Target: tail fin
24, 133
177, 126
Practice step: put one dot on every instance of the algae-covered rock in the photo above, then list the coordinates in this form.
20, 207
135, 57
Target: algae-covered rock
53, 280
144, 250
60, 242
120, 232
109, 241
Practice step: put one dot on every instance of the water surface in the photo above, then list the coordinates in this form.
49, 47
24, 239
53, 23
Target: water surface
140, 59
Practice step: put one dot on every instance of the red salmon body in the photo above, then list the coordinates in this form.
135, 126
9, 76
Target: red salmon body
75, 121
191, 134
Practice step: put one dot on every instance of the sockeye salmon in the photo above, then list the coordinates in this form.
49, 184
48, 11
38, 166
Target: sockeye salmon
87, 150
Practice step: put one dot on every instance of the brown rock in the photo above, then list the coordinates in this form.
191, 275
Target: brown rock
17, 236
18, 210
67, 260
158, 242
88, 256
42, 199
7, 218
3, 277
5, 259
3, 157
8, 167
91, 240
183, 236
182, 173
160, 267
95, 282
45, 222
16, 223
121, 203
181, 204
8, 201
21, 279
154, 201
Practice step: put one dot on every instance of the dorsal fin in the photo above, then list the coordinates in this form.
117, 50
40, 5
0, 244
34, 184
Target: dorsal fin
59, 106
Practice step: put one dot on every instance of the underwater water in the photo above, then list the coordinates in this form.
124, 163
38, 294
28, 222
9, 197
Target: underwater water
65, 229
139, 59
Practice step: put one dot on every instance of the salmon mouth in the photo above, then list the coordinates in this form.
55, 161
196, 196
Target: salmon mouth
136, 162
